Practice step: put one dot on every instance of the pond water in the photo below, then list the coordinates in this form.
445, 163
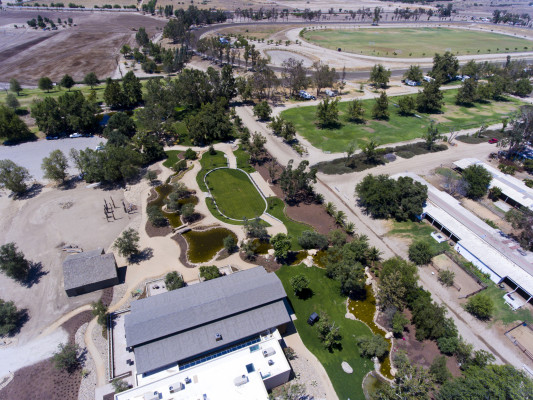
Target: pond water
320, 258
173, 218
204, 245
262, 246
371, 384
364, 311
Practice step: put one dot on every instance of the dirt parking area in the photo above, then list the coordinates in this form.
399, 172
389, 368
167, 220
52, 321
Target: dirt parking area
40, 226
92, 45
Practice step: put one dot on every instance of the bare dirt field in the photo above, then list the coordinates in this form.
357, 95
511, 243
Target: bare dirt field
524, 336
465, 282
91, 46
40, 226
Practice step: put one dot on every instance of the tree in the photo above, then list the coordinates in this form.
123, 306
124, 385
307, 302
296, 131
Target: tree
420, 253
477, 179
414, 73
113, 94
328, 332
9, 317
430, 99
132, 89
99, 310
156, 216
209, 272
516, 139
373, 346
128, 243
11, 126
13, 177
254, 229
173, 281
313, 240
356, 111
381, 107
141, 37
175, 29
281, 244
522, 87
55, 166
522, 219
446, 277
66, 82
379, 76
392, 292
327, 113
91, 79
12, 101
230, 243
480, 306
299, 283
262, 111
296, 183
14, 86
406, 105
294, 75
119, 385
432, 135
445, 67
45, 83
439, 370
13, 263
66, 358
209, 124
150, 175
322, 75
399, 322
467, 93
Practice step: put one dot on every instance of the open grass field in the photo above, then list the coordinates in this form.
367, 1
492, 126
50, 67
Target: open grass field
235, 194
258, 31
209, 162
397, 128
326, 298
418, 231
276, 208
417, 42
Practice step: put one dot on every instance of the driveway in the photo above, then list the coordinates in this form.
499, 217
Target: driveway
31, 154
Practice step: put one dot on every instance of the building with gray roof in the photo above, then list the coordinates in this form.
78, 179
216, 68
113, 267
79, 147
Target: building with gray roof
89, 271
176, 327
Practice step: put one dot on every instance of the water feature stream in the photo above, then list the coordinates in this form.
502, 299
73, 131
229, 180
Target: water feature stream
202, 246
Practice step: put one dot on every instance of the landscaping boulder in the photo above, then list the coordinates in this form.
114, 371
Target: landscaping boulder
389, 335
346, 367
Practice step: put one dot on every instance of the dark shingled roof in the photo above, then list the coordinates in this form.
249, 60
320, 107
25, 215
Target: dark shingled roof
181, 324
88, 267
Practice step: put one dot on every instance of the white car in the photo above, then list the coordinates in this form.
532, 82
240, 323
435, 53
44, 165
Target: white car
76, 135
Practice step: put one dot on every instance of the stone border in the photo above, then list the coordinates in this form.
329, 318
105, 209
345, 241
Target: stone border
251, 180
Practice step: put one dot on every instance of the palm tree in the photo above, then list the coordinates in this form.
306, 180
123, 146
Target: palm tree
340, 217
330, 208
350, 228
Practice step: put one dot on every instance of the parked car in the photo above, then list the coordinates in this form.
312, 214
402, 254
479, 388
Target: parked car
52, 137
330, 93
99, 147
76, 135
493, 140
306, 96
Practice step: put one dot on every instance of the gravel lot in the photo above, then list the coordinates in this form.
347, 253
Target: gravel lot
31, 154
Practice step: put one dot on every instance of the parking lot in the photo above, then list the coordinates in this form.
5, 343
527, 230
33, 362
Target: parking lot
31, 154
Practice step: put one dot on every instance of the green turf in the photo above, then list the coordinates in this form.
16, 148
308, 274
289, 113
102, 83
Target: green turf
172, 158
276, 208
235, 194
416, 42
243, 160
418, 231
502, 311
398, 128
326, 298
209, 162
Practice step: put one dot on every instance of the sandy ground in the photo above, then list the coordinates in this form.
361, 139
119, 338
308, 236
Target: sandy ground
462, 280
27, 54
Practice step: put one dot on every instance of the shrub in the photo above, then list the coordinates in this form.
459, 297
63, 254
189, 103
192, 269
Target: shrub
190, 154
507, 169
155, 216
230, 243
9, 317
209, 272
128, 243
480, 306
181, 165
119, 385
420, 253
328, 332
446, 277
312, 240
174, 281
299, 283
439, 370
66, 358
373, 346
399, 321
99, 310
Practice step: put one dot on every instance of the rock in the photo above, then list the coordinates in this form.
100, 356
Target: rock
389, 335
312, 252
350, 316
308, 261
346, 367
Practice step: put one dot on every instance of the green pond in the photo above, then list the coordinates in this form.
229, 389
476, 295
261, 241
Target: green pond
320, 258
298, 257
371, 384
262, 247
173, 218
204, 245
364, 311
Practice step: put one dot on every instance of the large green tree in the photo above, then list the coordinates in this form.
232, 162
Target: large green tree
445, 67
327, 113
11, 126
478, 180
13, 177
281, 244
45, 83
379, 76
132, 89
91, 79
468, 92
127, 244
13, 263
66, 358
173, 281
14, 86
67, 82
381, 107
55, 166
113, 95
323, 76
356, 111
210, 124
430, 99
414, 73
9, 317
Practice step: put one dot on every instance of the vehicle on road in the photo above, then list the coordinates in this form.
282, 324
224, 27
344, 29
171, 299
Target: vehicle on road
52, 137
76, 135
306, 96
493, 140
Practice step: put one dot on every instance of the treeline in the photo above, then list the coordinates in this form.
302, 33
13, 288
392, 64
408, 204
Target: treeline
504, 17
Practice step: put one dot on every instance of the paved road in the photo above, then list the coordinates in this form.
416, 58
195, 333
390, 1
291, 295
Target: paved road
31, 154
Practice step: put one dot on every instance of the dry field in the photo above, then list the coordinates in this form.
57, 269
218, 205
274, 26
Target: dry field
524, 335
92, 45
92, 3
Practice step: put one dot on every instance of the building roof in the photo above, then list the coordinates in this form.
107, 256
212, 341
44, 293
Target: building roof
182, 323
511, 187
88, 267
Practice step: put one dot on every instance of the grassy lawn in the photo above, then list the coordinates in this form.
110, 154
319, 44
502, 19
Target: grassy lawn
418, 231
235, 194
326, 298
243, 160
276, 208
172, 158
398, 128
502, 312
209, 162
416, 42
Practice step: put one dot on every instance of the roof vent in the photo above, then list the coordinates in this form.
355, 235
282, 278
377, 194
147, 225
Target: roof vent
218, 337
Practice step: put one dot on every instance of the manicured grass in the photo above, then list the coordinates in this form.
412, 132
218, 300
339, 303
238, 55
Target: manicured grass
172, 158
326, 298
243, 160
276, 208
416, 42
418, 231
398, 128
209, 162
502, 312
235, 194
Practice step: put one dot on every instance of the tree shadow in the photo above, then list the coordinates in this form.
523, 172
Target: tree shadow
21, 112
32, 191
305, 294
35, 274
82, 358
143, 255
22, 317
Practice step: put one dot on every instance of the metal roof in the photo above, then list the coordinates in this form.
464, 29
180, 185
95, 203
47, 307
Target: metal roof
88, 267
